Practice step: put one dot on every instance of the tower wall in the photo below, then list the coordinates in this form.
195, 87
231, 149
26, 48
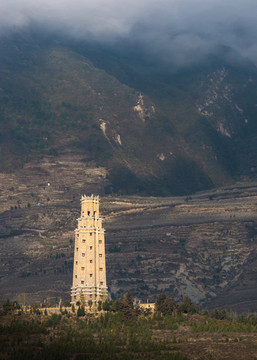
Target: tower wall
89, 270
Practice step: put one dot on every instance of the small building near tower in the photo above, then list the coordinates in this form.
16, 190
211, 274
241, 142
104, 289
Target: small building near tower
89, 270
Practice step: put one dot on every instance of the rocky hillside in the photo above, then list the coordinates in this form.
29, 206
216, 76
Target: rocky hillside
155, 132
202, 245
80, 119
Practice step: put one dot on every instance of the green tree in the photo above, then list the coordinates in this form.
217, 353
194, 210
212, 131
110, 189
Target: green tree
8, 307
126, 306
186, 306
114, 305
81, 311
165, 304
106, 306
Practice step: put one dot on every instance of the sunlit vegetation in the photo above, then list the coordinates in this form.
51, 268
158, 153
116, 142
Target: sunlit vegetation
115, 330
109, 336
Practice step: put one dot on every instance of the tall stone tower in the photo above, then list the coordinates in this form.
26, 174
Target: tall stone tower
89, 272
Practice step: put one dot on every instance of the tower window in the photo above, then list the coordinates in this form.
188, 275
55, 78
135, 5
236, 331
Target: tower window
83, 240
77, 249
88, 213
82, 282
82, 268
76, 263
101, 269
94, 213
100, 255
83, 254
100, 241
91, 275
90, 234
91, 261
77, 235
91, 247
76, 276
101, 283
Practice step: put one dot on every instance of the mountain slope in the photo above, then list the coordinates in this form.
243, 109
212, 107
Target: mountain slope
53, 99
212, 106
156, 132
78, 118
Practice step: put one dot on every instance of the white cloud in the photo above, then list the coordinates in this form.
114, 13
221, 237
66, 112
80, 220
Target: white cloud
178, 29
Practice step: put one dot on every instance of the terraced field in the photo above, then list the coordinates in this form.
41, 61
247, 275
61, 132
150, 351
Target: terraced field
203, 245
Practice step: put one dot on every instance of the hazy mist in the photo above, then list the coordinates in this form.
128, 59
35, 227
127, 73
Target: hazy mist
179, 31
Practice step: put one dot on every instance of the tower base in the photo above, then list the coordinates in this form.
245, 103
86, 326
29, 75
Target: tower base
84, 294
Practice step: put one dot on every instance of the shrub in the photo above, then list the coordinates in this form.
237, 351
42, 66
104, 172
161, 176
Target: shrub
186, 306
81, 311
126, 306
165, 304
54, 320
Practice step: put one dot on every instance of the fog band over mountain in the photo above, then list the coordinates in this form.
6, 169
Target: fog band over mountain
179, 31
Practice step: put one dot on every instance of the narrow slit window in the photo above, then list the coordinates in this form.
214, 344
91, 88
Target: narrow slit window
83, 254
91, 261
88, 213
91, 275
91, 247
101, 283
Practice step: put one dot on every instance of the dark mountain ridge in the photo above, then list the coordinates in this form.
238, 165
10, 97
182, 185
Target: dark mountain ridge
156, 132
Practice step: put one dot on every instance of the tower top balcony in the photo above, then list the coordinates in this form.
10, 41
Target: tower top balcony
92, 198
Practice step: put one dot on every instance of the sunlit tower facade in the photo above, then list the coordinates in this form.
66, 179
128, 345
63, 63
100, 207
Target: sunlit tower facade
89, 270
